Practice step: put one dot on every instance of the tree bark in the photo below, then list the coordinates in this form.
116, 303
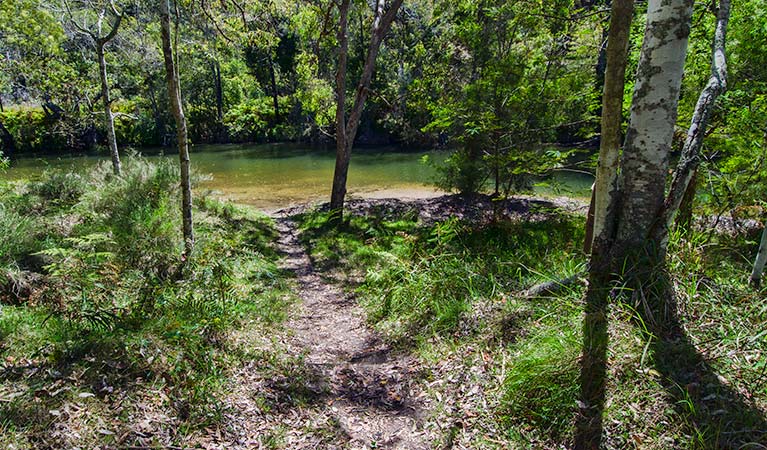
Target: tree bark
100, 41
690, 159
109, 122
684, 216
342, 154
9, 143
346, 131
612, 115
275, 94
176, 107
623, 245
761, 257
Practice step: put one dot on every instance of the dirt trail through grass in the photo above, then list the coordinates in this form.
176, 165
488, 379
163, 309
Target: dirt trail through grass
368, 392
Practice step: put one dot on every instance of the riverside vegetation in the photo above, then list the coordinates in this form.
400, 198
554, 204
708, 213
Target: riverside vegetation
106, 342
137, 311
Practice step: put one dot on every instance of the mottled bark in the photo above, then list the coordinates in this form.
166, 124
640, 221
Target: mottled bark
346, 130
645, 160
623, 248
612, 114
176, 107
761, 257
690, 158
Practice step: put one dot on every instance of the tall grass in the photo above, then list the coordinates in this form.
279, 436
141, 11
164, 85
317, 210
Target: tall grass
111, 305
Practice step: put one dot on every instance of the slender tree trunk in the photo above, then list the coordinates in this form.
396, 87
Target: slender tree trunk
684, 216
345, 135
623, 246
275, 94
109, 122
176, 107
612, 115
343, 155
761, 257
9, 143
219, 91
690, 159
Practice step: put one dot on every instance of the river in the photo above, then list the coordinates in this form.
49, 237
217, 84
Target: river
272, 176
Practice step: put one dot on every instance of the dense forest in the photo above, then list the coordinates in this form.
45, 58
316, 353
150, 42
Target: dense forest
141, 307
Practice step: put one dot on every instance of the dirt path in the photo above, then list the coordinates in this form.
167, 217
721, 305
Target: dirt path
368, 392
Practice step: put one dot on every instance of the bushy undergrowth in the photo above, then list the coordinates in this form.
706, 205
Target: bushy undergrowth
422, 280
111, 304
452, 291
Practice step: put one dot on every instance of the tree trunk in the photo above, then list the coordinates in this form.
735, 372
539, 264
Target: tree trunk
343, 155
612, 115
761, 257
176, 107
109, 122
220, 132
219, 91
623, 245
275, 94
684, 217
690, 159
9, 143
345, 135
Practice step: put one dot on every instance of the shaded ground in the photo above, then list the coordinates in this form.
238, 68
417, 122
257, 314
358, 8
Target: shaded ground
369, 391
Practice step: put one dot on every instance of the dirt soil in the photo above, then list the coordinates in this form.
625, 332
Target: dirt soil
349, 390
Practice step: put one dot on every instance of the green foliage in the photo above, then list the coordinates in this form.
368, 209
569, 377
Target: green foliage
59, 189
541, 388
421, 281
19, 236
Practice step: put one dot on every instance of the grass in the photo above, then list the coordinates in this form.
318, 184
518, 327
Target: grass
503, 369
114, 325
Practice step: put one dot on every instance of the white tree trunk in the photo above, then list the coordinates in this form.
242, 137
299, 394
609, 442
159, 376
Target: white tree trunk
761, 257
645, 161
690, 158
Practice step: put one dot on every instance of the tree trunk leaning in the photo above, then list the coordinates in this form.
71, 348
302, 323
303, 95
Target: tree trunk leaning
176, 107
342, 155
346, 134
690, 158
109, 121
612, 115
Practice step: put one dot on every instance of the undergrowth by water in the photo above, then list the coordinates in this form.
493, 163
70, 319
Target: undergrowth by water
100, 319
505, 367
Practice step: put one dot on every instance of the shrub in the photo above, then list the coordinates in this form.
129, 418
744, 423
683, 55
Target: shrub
139, 209
59, 188
18, 238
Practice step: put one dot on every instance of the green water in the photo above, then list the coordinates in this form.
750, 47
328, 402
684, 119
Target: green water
273, 176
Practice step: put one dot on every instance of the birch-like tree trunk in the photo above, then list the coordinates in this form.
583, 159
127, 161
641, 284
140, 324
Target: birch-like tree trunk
690, 158
612, 115
100, 40
109, 121
761, 257
624, 246
176, 107
346, 130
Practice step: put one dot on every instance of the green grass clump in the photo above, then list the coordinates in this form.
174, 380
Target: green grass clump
421, 280
541, 387
117, 311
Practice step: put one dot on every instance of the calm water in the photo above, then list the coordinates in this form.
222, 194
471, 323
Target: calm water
278, 175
